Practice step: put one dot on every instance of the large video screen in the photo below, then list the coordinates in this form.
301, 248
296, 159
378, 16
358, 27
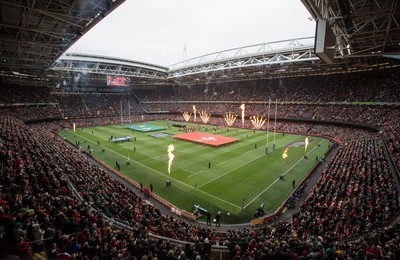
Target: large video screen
117, 81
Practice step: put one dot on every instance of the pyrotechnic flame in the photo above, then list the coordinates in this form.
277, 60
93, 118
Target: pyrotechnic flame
186, 116
285, 155
242, 107
204, 116
194, 113
305, 144
258, 122
229, 118
74, 126
170, 156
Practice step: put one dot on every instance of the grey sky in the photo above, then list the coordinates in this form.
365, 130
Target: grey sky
157, 31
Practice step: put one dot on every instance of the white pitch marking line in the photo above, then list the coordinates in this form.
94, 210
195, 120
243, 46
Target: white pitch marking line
256, 158
158, 172
278, 178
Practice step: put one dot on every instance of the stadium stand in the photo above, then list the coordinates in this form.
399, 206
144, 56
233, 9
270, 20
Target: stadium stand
51, 205
58, 203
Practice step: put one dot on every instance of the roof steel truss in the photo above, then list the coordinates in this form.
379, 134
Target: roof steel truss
289, 51
100, 65
33, 34
362, 27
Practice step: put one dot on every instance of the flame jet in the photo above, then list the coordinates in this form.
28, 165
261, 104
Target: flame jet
242, 107
285, 155
171, 156
305, 144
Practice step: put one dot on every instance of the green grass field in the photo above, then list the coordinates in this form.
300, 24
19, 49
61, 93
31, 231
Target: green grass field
241, 176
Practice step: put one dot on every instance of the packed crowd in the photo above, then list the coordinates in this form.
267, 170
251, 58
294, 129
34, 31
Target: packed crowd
32, 113
96, 104
11, 94
350, 198
55, 201
39, 211
368, 86
392, 137
356, 194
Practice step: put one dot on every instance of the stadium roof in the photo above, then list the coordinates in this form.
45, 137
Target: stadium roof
34, 34
362, 27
